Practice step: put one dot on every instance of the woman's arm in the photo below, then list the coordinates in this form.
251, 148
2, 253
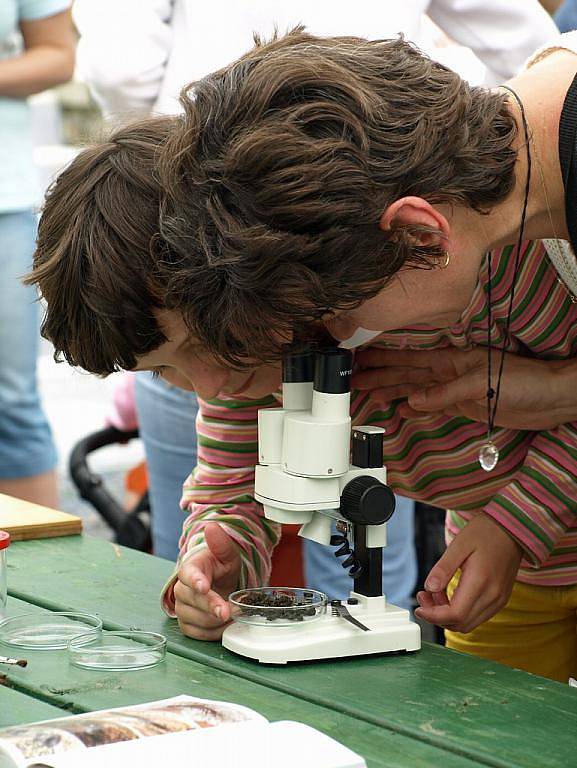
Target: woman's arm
48, 58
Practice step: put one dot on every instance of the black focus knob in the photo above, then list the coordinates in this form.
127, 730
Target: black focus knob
367, 501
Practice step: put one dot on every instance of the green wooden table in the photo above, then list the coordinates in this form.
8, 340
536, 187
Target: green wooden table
433, 708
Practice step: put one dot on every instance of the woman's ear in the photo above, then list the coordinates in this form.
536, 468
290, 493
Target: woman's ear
416, 212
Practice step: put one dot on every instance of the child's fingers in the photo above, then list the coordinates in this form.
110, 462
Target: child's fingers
197, 572
224, 551
454, 556
425, 599
442, 615
210, 603
467, 609
200, 633
440, 598
476, 599
189, 614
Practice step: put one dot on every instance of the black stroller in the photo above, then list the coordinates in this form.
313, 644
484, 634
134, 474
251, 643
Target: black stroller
131, 528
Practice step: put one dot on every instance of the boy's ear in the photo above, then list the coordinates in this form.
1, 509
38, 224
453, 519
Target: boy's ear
416, 212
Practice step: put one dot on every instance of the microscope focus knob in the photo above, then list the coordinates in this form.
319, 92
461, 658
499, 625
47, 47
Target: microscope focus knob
367, 501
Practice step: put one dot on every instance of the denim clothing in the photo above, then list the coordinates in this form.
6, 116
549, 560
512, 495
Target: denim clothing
26, 445
166, 420
566, 16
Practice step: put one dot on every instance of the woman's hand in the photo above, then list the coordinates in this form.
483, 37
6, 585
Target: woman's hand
535, 394
489, 560
204, 583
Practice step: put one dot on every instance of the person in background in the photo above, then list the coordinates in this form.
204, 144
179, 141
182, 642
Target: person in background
566, 16
36, 52
551, 6
154, 47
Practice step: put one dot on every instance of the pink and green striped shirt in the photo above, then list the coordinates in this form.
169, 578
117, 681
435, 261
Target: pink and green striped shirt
532, 492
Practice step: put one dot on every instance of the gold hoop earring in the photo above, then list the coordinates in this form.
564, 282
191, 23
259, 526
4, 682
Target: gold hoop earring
446, 261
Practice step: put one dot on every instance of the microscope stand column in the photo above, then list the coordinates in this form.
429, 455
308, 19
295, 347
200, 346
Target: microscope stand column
370, 580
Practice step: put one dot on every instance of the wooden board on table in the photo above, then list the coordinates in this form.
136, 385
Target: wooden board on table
24, 520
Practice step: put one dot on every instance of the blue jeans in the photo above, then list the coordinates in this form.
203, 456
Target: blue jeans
167, 426
166, 420
566, 16
26, 445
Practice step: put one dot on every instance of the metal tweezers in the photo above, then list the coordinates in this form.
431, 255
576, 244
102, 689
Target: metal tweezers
341, 610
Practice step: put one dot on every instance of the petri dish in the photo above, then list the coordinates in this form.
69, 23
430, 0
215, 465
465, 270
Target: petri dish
281, 606
117, 651
47, 631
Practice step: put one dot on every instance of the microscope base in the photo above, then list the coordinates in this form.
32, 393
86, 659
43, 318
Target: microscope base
328, 637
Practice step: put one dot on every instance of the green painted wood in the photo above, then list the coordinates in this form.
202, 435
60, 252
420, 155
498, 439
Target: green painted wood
17, 708
50, 677
475, 708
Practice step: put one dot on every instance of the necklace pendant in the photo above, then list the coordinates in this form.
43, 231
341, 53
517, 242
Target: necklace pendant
488, 456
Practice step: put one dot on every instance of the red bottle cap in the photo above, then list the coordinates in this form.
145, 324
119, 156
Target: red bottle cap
4, 539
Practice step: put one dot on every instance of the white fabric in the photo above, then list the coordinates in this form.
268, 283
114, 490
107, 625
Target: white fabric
563, 259
137, 54
566, 41
360, 336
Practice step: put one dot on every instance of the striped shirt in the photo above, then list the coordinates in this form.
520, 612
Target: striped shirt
532, 492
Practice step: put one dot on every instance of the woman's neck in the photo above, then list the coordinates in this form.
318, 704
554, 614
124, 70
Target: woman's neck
542, 90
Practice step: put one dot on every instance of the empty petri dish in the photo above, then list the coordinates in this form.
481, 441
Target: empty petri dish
117, 651
47, 631
285, 606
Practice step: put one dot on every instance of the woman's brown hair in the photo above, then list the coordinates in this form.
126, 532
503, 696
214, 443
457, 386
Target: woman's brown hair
277, 177
257, 212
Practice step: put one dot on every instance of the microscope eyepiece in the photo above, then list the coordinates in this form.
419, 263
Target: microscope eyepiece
333, 370
298, 365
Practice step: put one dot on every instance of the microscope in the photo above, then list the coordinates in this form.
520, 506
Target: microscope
313, 472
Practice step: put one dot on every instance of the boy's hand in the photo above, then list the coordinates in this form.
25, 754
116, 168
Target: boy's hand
489, 560
204, 583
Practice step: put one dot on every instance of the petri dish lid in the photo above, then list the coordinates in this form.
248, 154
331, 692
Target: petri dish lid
47, 631
117, 651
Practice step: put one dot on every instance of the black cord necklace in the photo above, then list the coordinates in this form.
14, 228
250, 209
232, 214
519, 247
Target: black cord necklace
489, 453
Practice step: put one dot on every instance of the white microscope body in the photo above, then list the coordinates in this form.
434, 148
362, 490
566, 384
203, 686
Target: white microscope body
305, 476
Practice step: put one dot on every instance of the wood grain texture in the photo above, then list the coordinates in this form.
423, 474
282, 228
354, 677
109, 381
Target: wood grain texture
473, 708
24, 520
17, 708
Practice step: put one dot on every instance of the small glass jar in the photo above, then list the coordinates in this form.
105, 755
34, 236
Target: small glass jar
4, 542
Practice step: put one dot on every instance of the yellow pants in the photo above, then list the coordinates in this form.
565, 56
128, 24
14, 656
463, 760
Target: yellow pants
536, 631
